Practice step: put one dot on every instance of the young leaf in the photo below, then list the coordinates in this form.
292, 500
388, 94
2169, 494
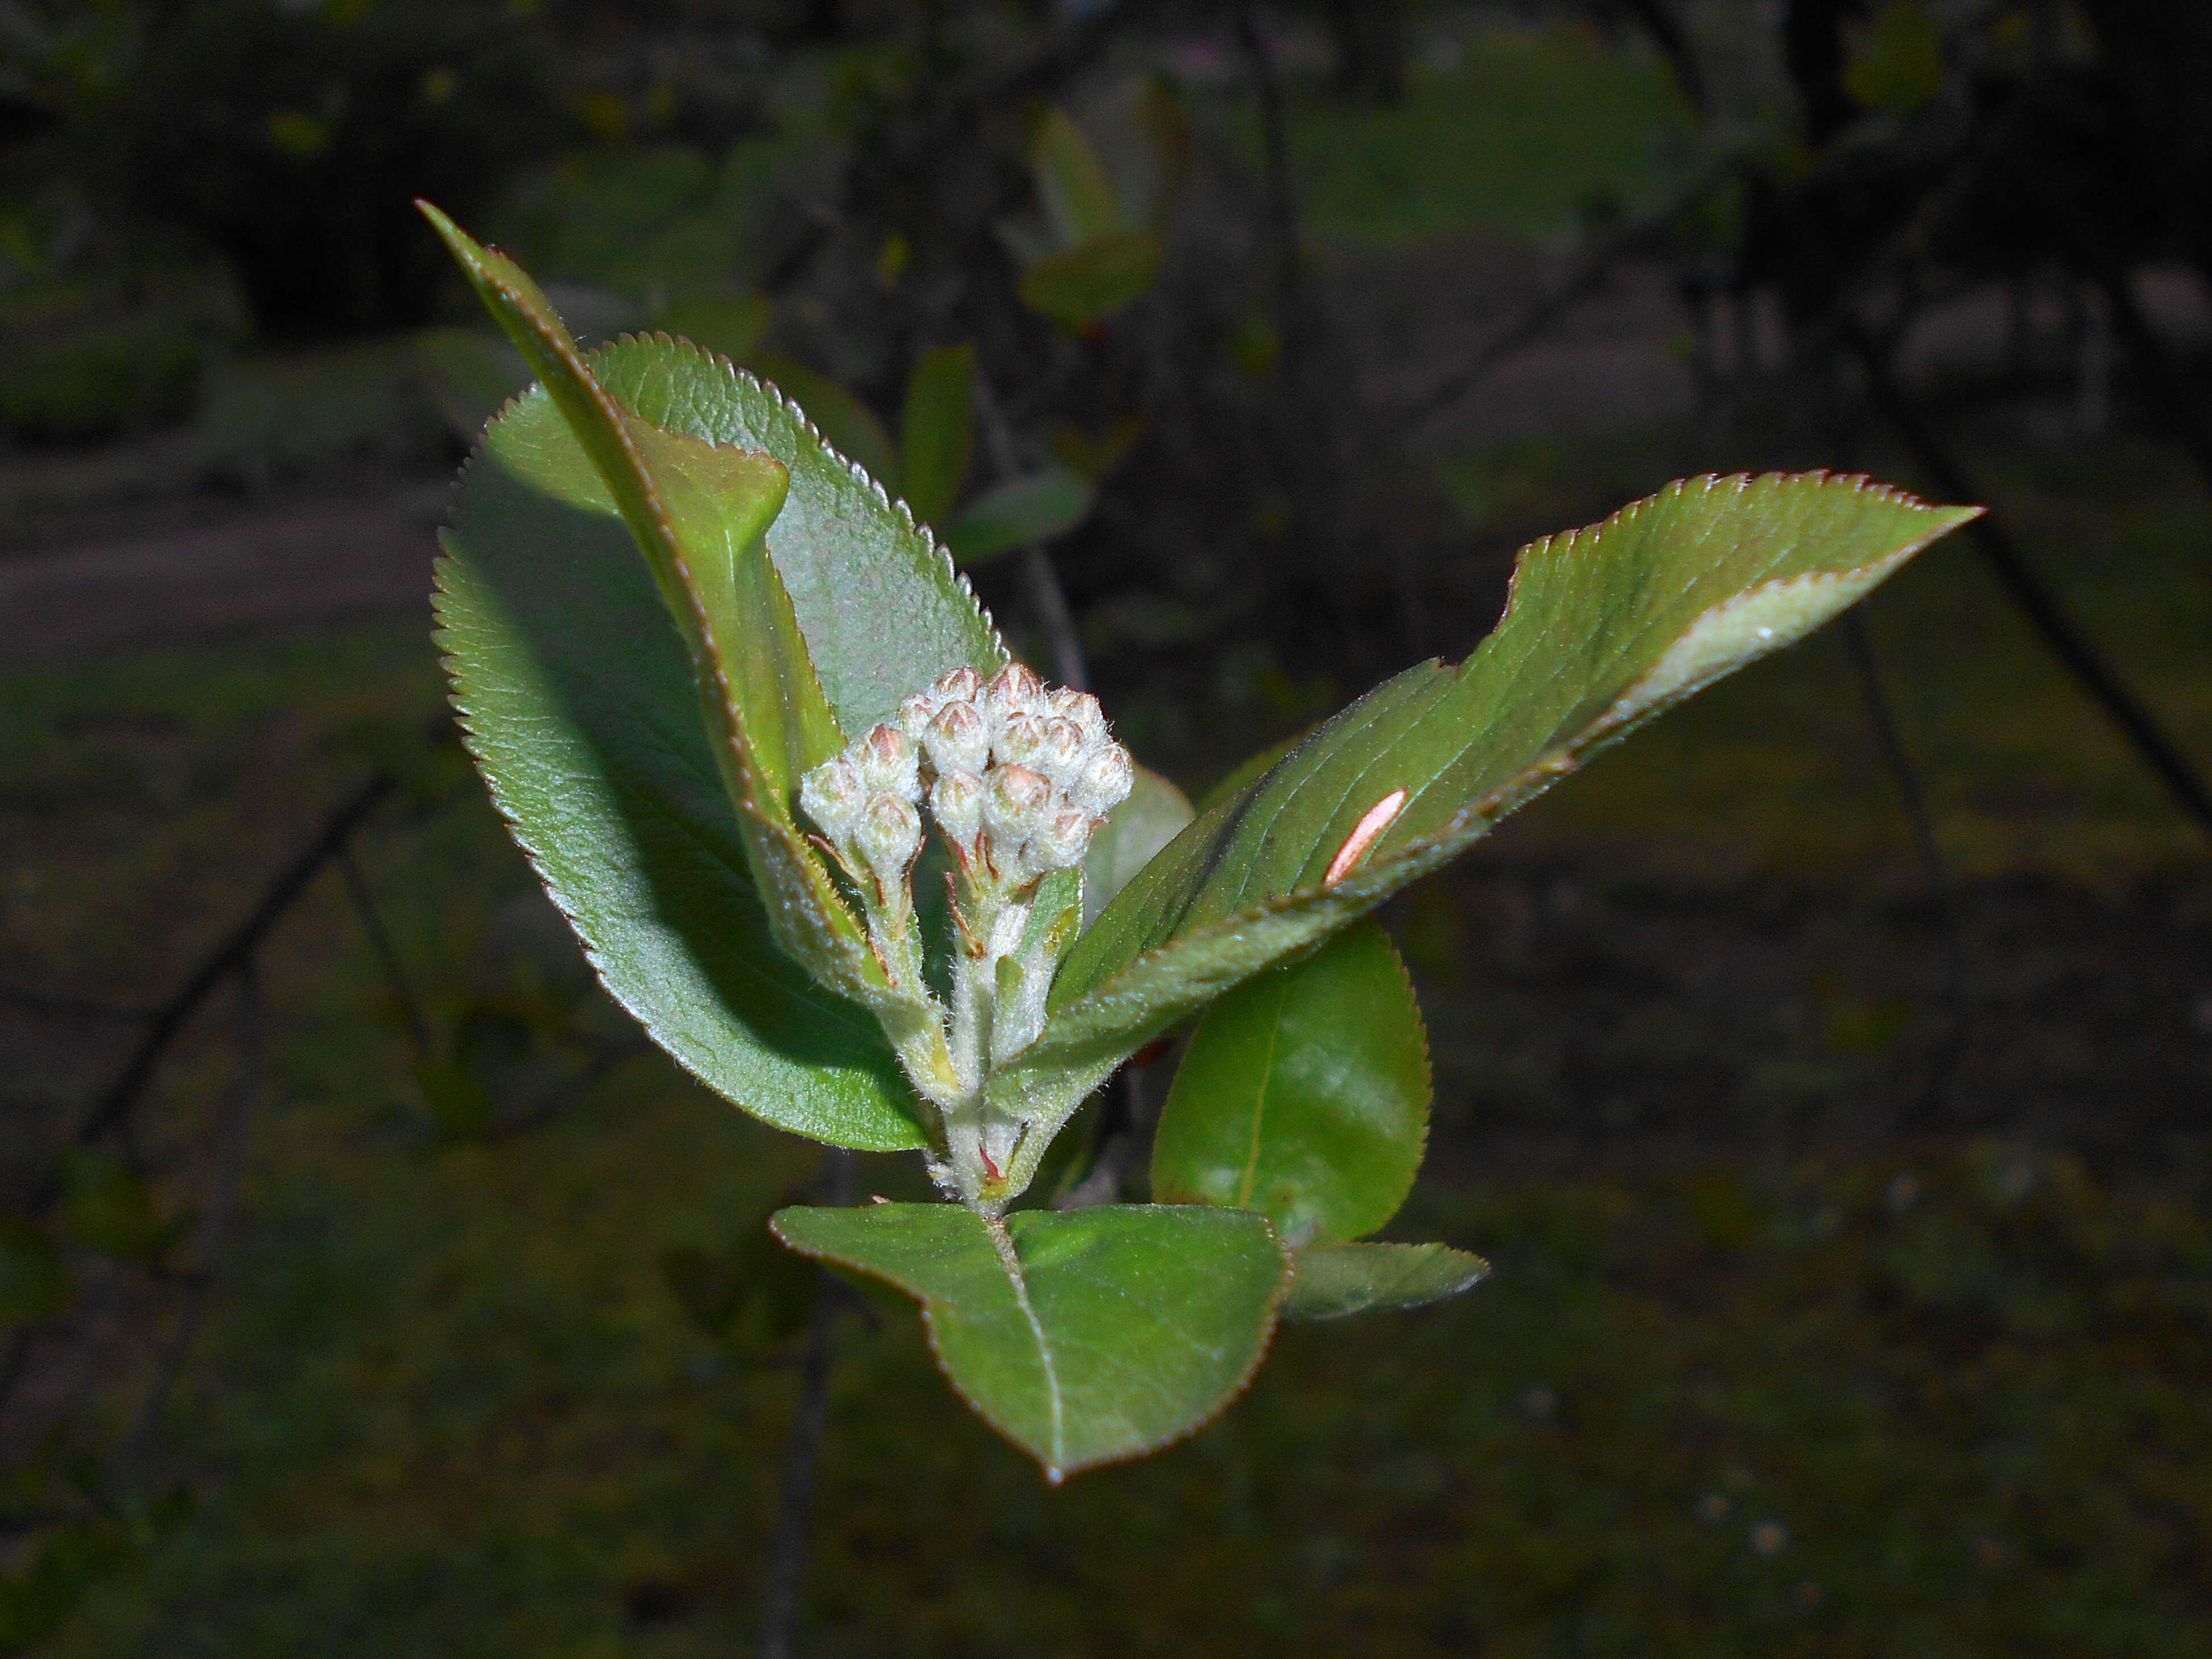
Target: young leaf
1087, 1336
937, 430
1072, 184
1606, 627
848, 425
1335, 1281
578, 699
848, 556
1034, 507
1304, 1094
1153, 815
1079, 286
700, 513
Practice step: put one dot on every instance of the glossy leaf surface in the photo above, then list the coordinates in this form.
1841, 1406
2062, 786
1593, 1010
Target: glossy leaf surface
1304, 1094
1606, 627
1035, 507
1336, 1280
1084, 1337
937, 430
1091, 282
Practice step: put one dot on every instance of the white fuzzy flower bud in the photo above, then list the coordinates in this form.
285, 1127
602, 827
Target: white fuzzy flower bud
957, 802
1061, 751
1019, 742
1082, 708
1014, 691
961, 685
833, 795
1060, 845
890, 765
889, 835
914, 713
958, 739
1105, 782
1014, 806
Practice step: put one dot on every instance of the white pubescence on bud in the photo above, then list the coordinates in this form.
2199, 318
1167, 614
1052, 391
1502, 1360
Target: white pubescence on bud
833, 795
956, 801
890, 763
1060, 844
889, 837
1014, 807
1104, 781
958, 739
1016, 778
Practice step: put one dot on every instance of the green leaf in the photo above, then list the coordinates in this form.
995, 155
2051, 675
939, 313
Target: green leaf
848, 425
937, 430
1084, 1337
728, 325
1607, 626
1035, 507
1088, 283
1153, 815
849, 557
1072, 184
106, 1208
1304, 1094
577, 698
699, 512
1335, 1281
35, 1283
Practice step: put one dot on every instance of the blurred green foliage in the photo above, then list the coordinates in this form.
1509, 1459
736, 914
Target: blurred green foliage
1536, 133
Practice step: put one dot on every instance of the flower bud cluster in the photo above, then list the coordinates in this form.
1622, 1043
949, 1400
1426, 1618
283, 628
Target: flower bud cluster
1016, 776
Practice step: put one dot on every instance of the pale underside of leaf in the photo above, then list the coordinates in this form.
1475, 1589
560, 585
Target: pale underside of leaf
1337, 1280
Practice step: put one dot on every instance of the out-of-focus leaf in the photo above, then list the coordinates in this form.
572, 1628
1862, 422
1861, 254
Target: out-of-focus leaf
1899, 64
1153, 815
1304, 1094
1085, 1336
1608, 626
847, 424
470, 377
729, 325
937, 430
1072, 183
1335, 1281
1092, 280
1034, 507
107, 1209
35, 1283
1097, 458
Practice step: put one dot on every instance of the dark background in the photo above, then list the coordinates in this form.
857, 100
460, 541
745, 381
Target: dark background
1825, 1074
